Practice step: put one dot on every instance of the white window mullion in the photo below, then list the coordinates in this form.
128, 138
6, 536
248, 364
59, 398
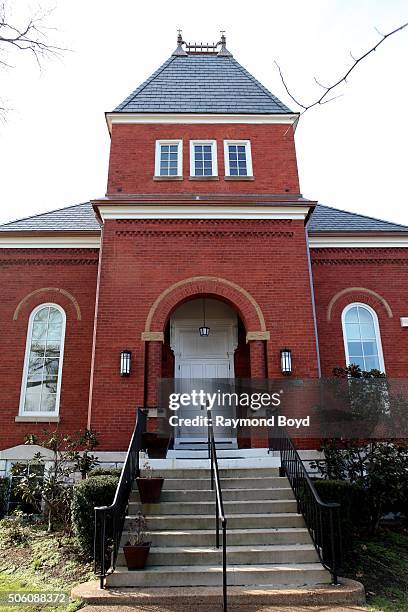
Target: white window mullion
348, 324
238, 149
59, 342
165, 151
200, 145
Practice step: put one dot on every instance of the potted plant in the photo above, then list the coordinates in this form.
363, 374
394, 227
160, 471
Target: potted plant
136, 549
149, 486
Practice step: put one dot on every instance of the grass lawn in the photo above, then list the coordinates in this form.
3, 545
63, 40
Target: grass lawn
33, 560
381, 564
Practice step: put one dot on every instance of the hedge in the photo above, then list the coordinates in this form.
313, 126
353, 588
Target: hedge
94, 491
4, 494
352, 500
105, 471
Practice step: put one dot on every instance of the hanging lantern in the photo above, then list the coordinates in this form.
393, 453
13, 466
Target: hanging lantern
204, 330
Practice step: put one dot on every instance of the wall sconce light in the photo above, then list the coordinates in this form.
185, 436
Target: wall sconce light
204, 330
125, 361
286, 361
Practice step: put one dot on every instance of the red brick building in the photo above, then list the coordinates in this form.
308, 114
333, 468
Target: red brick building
203, 210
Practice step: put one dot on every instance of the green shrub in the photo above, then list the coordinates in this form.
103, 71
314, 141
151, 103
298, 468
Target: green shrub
95, 491
105, 471
4, 493
14, 531
352, 500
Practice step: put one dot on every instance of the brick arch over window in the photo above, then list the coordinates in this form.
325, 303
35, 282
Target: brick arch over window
181, 291
357, 294
67, 294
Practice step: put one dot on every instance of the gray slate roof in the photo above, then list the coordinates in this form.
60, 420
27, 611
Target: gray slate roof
201, 84
81, 218
77, 218
327, 219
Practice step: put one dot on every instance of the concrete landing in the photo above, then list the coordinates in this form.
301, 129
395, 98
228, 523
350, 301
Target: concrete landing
199, 599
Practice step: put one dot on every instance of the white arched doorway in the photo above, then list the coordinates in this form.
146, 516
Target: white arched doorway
203, 360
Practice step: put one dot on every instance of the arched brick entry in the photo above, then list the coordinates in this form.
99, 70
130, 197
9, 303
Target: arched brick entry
241, 299
247, 307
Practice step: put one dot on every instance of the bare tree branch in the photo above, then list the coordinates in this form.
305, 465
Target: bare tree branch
31, 37
329, 88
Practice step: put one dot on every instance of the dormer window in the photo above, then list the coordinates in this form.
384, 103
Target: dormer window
203, 158
238, 161
169, 158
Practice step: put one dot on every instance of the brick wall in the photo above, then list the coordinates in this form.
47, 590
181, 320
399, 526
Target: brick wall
141, 259
132, 158
378, 271
23, 271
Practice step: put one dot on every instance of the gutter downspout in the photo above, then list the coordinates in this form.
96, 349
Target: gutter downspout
92, 372
309, 264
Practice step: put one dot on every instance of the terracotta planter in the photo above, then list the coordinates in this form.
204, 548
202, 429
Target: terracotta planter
149, 489
136, 556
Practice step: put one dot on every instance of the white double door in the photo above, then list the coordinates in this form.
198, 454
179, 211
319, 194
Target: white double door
205, 363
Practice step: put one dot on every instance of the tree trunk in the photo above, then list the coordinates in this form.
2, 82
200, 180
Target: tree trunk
49, 519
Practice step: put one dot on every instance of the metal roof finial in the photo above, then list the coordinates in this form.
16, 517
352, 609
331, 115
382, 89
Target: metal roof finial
180, 42
223, 52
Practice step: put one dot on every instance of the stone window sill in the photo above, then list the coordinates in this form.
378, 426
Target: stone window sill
168, 178
37, 419
239, 178
204, 178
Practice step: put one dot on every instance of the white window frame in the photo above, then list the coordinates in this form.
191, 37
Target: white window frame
179, 144
376, 330
214, 161
247, 144
26, 413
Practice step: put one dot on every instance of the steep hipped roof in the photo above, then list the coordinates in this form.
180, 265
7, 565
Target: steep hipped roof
77, 218
201, 83
81, 218
327, 219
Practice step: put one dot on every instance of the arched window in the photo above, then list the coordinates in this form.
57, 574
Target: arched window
362, 341
41, 384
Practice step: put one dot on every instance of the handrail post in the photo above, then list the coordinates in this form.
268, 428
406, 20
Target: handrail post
116, 512
333, 547
100, 517
219, 512
318, 515
208, 438
217, 524
224, 564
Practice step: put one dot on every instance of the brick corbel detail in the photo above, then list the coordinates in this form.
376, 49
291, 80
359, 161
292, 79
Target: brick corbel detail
258, 335
153, 336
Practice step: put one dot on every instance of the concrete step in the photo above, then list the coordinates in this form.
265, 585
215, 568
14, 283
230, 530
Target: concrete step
230, 507
237, 555
236, 537
202, 473
235, 521
349, 595
170, 484
184, 575
195, 495
239, 453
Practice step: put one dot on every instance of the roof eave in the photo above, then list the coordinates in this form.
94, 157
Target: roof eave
350, 234
39, 233
198, 117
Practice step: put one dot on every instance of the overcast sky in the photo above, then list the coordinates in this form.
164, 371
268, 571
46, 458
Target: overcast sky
352, 153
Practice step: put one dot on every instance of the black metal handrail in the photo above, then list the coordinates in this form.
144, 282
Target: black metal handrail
322, 519
110, 520
219, 507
